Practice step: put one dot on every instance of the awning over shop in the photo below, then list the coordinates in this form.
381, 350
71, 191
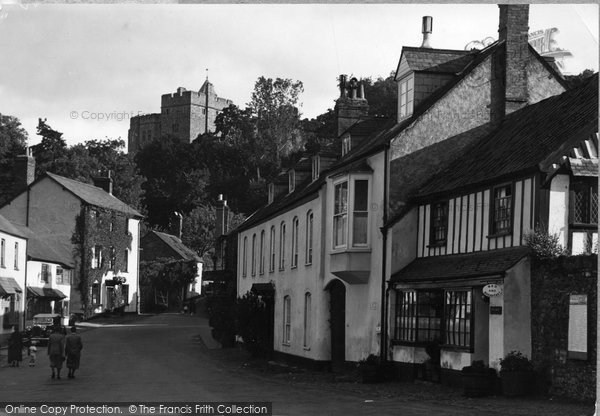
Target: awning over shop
263, 289
460, 266
38, 292
9, 286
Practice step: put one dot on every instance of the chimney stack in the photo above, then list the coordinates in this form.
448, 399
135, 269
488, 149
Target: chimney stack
105, 182
23, 172
427, 29
352, 105
514, 31
222, 217
177, 227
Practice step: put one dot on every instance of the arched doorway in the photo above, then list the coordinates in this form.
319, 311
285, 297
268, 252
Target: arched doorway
337, 323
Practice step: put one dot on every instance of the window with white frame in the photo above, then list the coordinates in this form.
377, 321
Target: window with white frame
125, 260
96, 256
272, 250
316, 167
351, 213
406, 97
287, 328
282, 246
307, 323
63, 276
245, 257
457, 318
346, 145
16, 256
292, 180
253, 258
261, 250
340, 214
295, 242
271, 192
46, 274
501, 210
309, 237
3, 253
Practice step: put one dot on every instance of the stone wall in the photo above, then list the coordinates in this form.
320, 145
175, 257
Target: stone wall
553, 282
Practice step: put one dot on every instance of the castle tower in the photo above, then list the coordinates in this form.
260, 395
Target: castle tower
184, 114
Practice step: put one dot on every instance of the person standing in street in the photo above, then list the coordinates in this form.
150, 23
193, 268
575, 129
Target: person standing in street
73, 347
15, 349
56, 351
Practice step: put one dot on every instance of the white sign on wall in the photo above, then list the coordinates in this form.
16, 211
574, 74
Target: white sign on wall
578, 308
492, 289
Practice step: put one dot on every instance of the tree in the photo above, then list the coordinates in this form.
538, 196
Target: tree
176, 179
52, 147
274, 104
13, 142
382, 95
199, 229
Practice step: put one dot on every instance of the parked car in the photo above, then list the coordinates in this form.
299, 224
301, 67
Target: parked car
42, 326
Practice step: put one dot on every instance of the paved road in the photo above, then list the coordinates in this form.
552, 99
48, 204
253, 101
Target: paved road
161, 358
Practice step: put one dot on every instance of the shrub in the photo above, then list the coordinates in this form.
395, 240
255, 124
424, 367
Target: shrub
252, 324
544, 245
515, 361
478, 367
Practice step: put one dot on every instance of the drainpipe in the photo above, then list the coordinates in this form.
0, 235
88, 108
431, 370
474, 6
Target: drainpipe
25, 289
383, 324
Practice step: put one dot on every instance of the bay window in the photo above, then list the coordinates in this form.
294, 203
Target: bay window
351, 213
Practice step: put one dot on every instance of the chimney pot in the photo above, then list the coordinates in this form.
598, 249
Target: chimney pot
427, 30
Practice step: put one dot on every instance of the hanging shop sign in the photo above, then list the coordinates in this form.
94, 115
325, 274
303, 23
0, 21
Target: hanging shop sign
492, 289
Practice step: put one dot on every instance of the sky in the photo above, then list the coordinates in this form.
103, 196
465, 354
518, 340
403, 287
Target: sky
88, 68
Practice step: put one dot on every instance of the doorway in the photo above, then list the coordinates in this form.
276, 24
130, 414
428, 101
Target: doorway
337, 322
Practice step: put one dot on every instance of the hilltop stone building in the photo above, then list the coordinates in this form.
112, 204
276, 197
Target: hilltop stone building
184, 114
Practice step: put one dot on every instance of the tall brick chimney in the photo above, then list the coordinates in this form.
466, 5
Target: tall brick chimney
23, 172
105, 182
513, 29
222, 218
352, 105
177, 225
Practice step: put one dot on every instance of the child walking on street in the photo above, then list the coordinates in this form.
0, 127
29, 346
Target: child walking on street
33, 354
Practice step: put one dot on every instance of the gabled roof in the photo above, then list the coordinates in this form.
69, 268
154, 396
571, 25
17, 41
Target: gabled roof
448, 61
10, 228
459, 266
177, 246
46, 248
93, 195
529, 139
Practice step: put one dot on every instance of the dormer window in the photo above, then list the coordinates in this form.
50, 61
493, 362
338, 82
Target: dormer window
316, 167
346, 145
405, 96
271, 192
292, 180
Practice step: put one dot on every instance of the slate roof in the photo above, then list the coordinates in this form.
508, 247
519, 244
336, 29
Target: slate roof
529, 139
177, 246
10, 228
437, 60
46, 248
415, 169
9, 286
584, 167
460, 266
93, 195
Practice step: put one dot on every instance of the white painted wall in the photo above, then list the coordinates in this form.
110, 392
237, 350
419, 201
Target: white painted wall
18, 274
558, 219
